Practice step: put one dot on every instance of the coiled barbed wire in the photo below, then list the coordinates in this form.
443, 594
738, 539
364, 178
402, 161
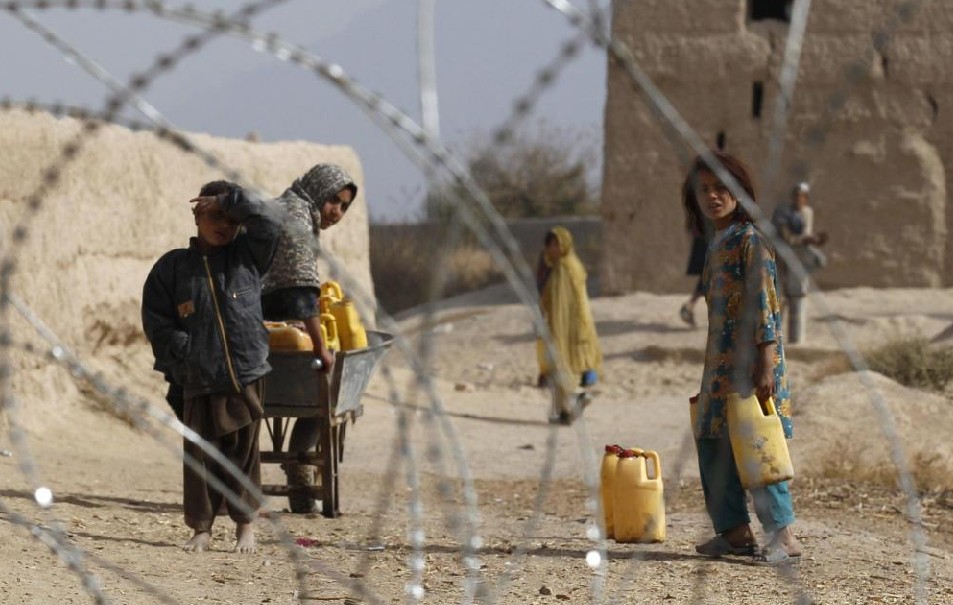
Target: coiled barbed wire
20, 232
620, 53
787, 80
141, 412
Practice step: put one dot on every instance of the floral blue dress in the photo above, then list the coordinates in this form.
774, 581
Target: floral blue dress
744, 311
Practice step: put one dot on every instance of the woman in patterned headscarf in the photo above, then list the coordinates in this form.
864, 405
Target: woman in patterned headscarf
561, 279
314, 202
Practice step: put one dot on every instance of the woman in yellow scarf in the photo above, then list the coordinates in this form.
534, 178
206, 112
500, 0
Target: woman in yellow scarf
561, 280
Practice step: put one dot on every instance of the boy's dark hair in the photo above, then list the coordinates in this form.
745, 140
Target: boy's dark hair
217, 188
694, 219
550, 236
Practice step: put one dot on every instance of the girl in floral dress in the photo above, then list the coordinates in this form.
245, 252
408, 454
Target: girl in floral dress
744, 354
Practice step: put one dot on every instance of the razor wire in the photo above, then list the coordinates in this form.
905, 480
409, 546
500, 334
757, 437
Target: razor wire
141, 412
663, 107
63, 550
723, 179
676, 135
218, 24
164, 134
60, 352
787, 80
159, 122
464, 213
417, 559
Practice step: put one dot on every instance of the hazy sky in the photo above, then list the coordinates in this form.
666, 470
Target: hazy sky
488, 52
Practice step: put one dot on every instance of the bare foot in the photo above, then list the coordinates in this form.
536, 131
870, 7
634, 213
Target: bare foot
245, 538
198, 542
787, 541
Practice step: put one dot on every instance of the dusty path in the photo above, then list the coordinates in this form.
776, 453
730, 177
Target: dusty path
117, 491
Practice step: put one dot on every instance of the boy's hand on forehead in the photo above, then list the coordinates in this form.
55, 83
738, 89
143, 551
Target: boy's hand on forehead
203, 204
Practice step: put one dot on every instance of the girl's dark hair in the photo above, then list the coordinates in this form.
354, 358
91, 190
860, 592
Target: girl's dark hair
694, 220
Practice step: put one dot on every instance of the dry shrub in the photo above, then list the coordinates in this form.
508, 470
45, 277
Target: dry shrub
913, 362
470, 269
542, 171
402, 269
850, 463
395, 271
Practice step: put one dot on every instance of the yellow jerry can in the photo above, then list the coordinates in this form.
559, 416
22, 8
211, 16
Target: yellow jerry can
757, 442
332, 290
639, 503
353, 334
285, 337
330, 332
607, 486
350, 329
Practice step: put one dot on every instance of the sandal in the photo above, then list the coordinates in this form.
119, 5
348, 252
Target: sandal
687, 315
773, 557
720, 546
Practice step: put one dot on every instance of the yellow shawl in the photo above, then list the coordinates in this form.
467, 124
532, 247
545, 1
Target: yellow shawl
565, 306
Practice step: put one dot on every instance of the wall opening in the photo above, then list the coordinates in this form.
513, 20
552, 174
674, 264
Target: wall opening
777, 10
757, 98
720, 140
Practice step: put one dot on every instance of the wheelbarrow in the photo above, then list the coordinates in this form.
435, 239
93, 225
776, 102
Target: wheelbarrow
294, 390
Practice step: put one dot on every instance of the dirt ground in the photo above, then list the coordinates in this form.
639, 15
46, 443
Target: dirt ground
117, 490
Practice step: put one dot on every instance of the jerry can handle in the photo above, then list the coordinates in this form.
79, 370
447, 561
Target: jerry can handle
653, 456
332, 288
768, 408
331, 327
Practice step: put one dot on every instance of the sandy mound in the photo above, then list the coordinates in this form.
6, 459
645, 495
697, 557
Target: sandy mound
840, 432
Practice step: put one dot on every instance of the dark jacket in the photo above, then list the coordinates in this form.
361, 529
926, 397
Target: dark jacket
202, 312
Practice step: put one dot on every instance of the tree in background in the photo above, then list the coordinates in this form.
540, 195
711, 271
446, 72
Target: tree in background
539, 173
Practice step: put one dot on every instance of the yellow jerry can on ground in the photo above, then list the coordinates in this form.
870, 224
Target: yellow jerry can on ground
639, 503
607, 486
757, 442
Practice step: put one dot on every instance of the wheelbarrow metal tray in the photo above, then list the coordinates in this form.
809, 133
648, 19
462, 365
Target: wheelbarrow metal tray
292, 388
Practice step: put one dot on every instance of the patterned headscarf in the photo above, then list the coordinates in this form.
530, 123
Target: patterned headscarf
296, 259
321, 183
